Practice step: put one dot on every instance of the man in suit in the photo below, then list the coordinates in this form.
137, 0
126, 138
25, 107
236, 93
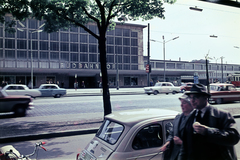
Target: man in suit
173, 142
210, 133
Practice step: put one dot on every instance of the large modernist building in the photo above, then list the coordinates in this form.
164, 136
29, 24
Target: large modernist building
68, 55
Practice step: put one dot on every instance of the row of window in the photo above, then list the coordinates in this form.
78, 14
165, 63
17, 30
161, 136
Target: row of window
74, 57
55, 65
193, 66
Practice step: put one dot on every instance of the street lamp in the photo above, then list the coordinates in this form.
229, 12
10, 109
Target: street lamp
164, 42
31, 32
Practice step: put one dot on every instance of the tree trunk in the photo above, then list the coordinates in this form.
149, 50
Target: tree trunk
103, 60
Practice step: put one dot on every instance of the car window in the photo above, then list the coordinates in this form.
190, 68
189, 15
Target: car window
12, 88
20, 88
163, 84
54, 87
110, 131
232, 88
169, 128
148, 137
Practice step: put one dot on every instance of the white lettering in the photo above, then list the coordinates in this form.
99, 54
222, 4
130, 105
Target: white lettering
62, 65
97, 66
80, 65
67, 65
91, 66
108, 66
86, 66
73, 65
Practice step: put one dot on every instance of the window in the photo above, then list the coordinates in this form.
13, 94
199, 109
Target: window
1, 31
93, 48
83, 38
43, 45
118, 32
9, 43
21, 34
54, 55
64, 47
92, 39
110, 58
34, 45
134, 51
74, 57
110, 49
126, 50
73, 47
126, 32
21, 44
93, 28
34, 54
110, 131
126, 67
9, 35
64, 37
118, 41
126, 59
126, 41
43, 36
65, 56
54, 46
73, 29
83, 48
134, 67
54, 36
118, 49
134, 42
73, 37
43, 55
83, 58
134, 59
148, 137
110, 40
22, 54
9, 54
92, 57
134, 34
32, 23
33, 35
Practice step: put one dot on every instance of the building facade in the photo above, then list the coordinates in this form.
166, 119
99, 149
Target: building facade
71, 55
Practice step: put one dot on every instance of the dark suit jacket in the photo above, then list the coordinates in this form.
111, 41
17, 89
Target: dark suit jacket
178, 128
217, 144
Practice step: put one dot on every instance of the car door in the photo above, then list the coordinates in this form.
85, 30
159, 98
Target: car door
12, 90
46, 91
234, 95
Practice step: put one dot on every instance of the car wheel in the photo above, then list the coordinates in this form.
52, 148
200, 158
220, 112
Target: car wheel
155, 92
183, 90
20, 111
174, 92
57, 96
149, 94
219, 100
166, 93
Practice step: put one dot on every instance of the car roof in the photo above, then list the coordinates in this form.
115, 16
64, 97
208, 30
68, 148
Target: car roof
48, 85
132, 117
16, 85
221, 84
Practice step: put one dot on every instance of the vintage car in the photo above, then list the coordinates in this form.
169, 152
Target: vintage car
51, 90
186, 86
223, 92
162, 87
15, 103
20, 89
132, 134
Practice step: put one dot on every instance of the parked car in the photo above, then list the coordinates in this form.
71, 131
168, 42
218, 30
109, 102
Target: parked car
162, 87
51, 90
15, 103
20, 89
223, 92
186, 86
132, 134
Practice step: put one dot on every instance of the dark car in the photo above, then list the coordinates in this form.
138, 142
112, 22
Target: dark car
16, 104
186, 86
51, 90
223, 92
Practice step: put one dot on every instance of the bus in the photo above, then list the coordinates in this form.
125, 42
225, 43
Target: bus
234, 79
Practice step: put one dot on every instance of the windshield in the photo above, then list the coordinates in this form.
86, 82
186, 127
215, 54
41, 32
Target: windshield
110, 131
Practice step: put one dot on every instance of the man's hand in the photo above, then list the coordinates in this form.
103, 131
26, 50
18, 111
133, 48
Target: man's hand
199, 128
177, 140
165, 146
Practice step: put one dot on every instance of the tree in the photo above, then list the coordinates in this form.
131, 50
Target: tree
65, 13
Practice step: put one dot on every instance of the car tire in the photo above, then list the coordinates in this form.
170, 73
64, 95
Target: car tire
20, 111
155, 92
166, 93
149, 94
174, 92
57, 96
219, 100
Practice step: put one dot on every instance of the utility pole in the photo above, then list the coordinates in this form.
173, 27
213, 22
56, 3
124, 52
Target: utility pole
148, 62
222, 66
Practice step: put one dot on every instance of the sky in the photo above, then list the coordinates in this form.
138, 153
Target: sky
194, 29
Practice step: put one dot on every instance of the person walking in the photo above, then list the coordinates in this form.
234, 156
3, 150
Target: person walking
210, 133
173, 143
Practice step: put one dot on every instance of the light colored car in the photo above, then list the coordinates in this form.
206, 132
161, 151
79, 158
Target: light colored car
15, 103
186, 86
20, 89
223, 92
132, 134
162, 87
51, 90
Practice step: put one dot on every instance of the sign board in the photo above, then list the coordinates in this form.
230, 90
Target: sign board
147, 68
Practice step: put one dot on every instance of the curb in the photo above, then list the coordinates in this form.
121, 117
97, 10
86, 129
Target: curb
48, 135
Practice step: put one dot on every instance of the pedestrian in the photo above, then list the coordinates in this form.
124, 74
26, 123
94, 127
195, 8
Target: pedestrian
210, 133
83, 84
173, 143
75, 85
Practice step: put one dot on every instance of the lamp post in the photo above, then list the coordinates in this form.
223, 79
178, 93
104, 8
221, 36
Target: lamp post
117, 77
31, 32
216, 65
164, 42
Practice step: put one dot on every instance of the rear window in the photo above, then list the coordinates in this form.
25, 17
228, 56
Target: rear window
110, 131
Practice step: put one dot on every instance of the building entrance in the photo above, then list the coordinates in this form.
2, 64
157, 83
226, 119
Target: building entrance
83, 82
